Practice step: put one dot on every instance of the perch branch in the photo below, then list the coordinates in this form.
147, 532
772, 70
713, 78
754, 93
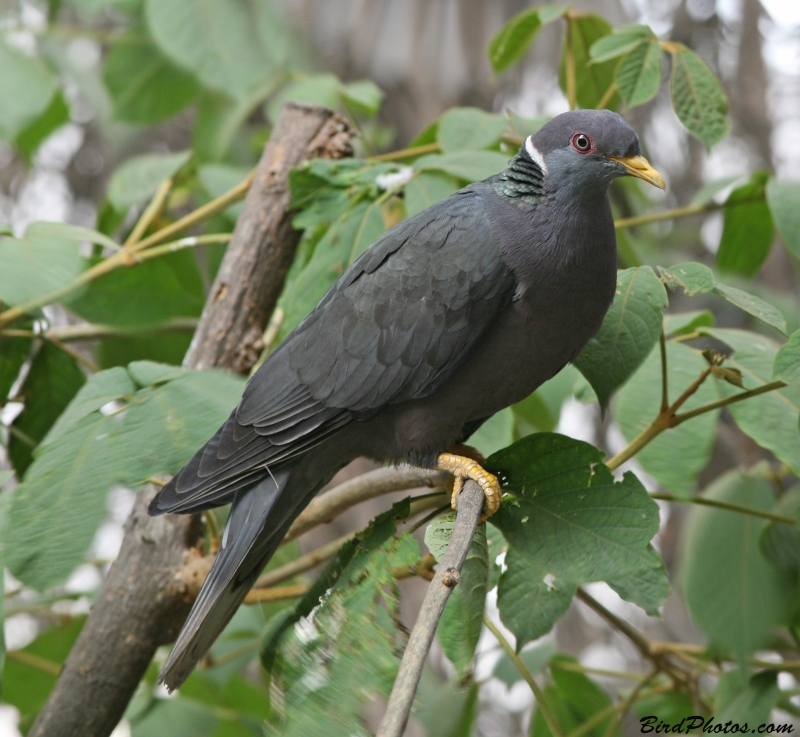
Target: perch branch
470, 504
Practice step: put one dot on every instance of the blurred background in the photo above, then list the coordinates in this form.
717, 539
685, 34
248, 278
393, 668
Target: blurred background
426, 56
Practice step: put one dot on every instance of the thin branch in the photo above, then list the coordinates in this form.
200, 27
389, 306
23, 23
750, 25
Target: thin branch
367, 486
728, 400
151, 212
87, 363
637, 638
277, 593
470, 504
569, 55
191, 241
406, 153
664, 377
606, 98
34, 661
740, 508
538, 694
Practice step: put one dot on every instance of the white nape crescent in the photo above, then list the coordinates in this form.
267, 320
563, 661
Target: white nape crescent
533, 152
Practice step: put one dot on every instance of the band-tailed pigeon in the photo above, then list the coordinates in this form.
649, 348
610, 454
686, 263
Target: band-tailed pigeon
455, 313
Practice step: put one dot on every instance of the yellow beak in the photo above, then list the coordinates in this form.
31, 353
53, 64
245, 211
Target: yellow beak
638, 166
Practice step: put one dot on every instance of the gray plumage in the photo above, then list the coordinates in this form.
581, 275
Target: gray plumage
452, 315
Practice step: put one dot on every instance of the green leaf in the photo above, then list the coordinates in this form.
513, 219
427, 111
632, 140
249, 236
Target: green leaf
574, 698
58, 507
535, 657
683, 323
769, 419
364, 95
638, 75
166, 424
147, 294
782, 198
671, 707
629, 331
352, 653
446, 710
144, 85
2, 620
739, 609
698, 98
706, 194
513, 40
27, 87
13, 354
648, 586
102, 388
567, 522
748, 230
696, 279
138, 178
318, 89
494, 434
220, 118
744, 698
216, 40
592, 80
620, 42
677, 456
460, 627
425, 189
56, 115
53, 380
470, 129
177, 717
787, 360
692, 278
542, 409
780, 543
469, 166
37, 264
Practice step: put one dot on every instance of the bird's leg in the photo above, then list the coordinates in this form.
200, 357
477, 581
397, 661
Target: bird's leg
465, 463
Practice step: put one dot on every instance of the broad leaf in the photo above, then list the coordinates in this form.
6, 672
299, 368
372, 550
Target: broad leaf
145, 86
38, 264
744, 698
216, 40
13, 354
692, 278
592, 80
780, 542
782, 198
648, 586
469, 128
574, 699
638, 75
515, 37
620, 42
738, 610
33, 135
177, 717
446, 710
469, 166
787, 360
26, 87
363, 95
629, 331
769, 419
494, 434
427, 188
567, 522
138, 178
697, 96
535, 658
677, 456
460, 627
748, 230
53, 380
683, 323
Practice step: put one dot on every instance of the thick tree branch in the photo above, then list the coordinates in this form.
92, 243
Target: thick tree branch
150, 587
470, 504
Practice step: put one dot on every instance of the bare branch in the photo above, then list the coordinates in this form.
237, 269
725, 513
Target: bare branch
470, 504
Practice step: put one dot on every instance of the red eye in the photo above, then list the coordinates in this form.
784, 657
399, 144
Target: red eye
582, 143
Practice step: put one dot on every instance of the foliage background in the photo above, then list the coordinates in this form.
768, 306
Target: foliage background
110, 98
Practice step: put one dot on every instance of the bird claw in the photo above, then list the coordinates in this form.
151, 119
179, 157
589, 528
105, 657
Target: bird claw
464, 468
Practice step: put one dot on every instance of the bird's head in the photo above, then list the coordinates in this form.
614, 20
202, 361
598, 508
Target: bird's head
588, 149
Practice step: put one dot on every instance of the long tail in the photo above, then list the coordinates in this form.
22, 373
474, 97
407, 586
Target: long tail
259, 519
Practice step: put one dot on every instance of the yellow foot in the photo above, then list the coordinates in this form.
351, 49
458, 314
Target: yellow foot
465, 468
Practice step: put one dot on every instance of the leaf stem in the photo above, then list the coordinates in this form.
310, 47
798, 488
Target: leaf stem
34, 661
569, 56
711, 406
151, 212
740, 508
406, 153
606, 98
662, 344
538, 694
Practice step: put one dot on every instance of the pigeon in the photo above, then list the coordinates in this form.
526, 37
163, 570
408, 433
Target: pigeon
452, 315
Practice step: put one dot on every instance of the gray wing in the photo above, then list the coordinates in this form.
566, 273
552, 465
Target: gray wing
394, 327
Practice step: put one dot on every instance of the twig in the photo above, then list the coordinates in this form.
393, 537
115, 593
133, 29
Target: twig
470, 504
711, 406
407, 153
151, 212
569, 55
637, 638
367, 486
538, 694
34, 661
662, 343
740, 508
277, 593
607, 95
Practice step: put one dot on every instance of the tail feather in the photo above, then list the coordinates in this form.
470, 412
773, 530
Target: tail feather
258, 521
